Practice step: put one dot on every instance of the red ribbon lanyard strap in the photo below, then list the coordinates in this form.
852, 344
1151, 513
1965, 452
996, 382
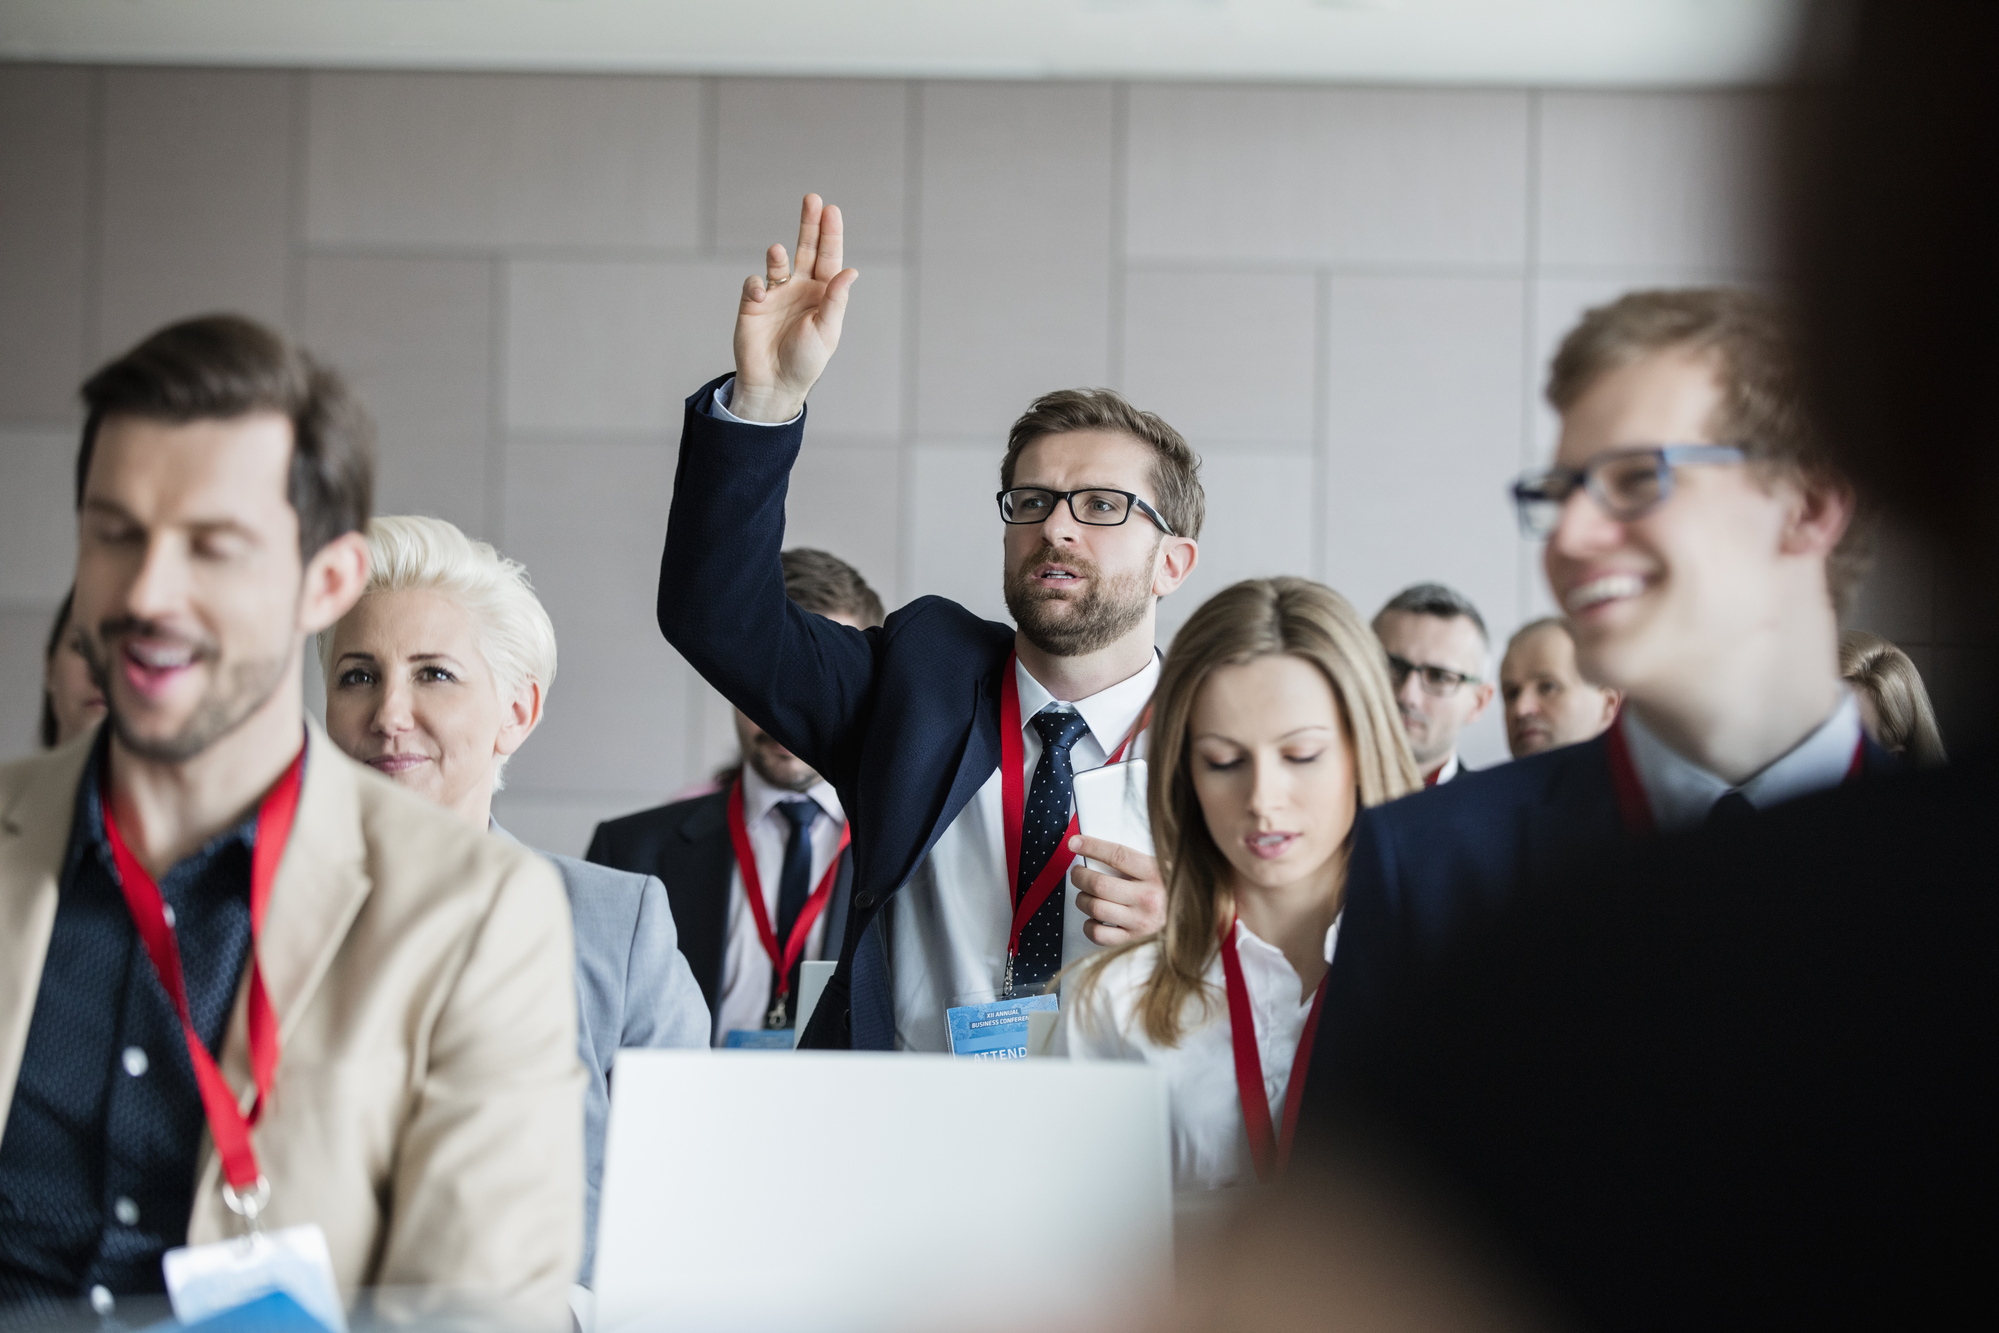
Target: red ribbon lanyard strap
1013, 804
781, 960
227, 1124
1270, 1159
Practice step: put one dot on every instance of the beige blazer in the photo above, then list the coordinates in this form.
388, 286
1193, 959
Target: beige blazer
428, 1110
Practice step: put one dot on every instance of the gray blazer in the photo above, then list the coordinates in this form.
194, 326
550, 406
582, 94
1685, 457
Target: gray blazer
633, 988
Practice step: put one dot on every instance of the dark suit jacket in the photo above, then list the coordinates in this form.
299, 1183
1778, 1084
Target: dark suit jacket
1737, 1078
1437, 865
902, 720
687, 846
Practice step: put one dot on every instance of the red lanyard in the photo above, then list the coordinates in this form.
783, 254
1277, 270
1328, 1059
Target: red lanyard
746, 861
1269, 1158
1636, 807
227, 1124
1013, 804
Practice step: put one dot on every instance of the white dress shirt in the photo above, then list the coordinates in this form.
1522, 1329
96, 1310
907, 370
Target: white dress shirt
1681, 792
1210, 1145
948, 927
746, 970
1450, 770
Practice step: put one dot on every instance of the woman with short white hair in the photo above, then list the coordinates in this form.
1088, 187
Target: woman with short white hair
435, 679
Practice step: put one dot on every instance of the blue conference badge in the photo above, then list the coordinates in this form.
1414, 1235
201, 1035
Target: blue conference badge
996, 1031
758, 1039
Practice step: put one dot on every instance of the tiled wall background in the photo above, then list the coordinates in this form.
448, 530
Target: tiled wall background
1344, 296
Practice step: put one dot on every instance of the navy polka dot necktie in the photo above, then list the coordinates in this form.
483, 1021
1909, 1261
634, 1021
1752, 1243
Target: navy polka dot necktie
1042, 825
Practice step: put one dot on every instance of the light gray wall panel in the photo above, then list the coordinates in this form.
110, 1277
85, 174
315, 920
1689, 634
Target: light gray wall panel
1425, 423
588, 519
951, 529
1014, 295
861, 392
1349, 176
848, 501
415, 337
1226, 358
37, 514
197, 199
846, 139
44, 233
1260, 523
608, 346
461, 160
1668, 179
563, 824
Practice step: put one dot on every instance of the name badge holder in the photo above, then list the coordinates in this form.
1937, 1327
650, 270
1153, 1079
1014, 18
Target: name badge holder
775, 1036
268, 1269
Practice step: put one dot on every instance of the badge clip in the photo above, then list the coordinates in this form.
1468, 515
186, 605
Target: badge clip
249, 1206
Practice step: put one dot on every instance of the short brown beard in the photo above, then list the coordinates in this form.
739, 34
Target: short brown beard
1109, 610
244, 688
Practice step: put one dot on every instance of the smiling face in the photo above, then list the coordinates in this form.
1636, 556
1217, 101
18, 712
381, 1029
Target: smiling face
1548, 703
1273, 770
1661, 597
189, 601
410, 695
1074, 588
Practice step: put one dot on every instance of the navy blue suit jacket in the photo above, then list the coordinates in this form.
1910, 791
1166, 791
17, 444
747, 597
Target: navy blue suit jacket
902, 720
686, 844
1431, 869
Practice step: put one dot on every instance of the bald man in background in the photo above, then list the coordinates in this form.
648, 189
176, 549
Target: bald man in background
1548, 703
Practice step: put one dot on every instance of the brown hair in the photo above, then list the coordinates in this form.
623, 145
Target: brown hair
1762, 410
1253, 619
222, 366
1907, 723
1176, 468
826, 585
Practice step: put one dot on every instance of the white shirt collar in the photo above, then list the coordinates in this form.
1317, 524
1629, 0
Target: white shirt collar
1109, 714
1448, 771
1681, 792
760, 798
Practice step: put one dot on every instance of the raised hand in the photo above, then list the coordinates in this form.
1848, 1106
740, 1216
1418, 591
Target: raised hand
789, 321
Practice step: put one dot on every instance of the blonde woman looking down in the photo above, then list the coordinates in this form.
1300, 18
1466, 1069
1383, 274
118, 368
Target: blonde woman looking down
435, 679
1274, 723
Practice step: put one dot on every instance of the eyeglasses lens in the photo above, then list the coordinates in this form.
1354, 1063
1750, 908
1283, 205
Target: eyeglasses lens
1631, 485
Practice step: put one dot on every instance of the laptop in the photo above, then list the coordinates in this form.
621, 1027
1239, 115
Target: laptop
823, 1191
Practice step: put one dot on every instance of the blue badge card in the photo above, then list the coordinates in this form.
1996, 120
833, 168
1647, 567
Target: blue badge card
284, 1275
996, 1031
758, 1039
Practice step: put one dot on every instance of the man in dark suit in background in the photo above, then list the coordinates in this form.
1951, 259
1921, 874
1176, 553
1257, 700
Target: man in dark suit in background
1440, 661
794, 824
1698, 539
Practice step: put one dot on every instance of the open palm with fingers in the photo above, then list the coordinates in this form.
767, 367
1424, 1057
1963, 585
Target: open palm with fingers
789, 321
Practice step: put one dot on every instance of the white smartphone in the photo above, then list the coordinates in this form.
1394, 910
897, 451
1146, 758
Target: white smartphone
1110, 804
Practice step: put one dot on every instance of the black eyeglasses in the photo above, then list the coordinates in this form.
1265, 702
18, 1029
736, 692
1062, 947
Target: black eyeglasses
1098, 508
1439, 681
1626, 482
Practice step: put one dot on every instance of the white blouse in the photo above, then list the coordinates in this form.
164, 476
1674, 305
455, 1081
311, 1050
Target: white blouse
1210, 1146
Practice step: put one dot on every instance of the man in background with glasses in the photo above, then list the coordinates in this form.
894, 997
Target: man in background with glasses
952, 741
1700, 542
1437, 655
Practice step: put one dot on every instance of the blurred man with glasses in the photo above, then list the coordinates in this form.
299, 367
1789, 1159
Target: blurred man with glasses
952, 741
1700, 542
1437, 653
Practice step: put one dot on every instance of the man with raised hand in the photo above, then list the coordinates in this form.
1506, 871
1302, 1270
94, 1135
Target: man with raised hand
1699, 539
951, 740
243, 980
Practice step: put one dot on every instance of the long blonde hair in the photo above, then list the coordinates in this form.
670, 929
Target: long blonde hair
1901, 705
1254, 619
